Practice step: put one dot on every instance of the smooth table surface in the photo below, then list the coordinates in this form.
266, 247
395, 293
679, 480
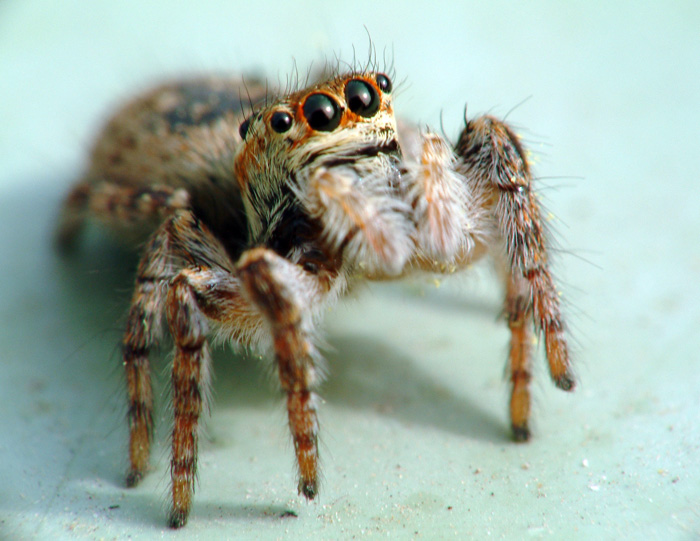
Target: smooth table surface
415, 439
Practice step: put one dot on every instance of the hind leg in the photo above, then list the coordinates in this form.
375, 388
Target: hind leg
114, 204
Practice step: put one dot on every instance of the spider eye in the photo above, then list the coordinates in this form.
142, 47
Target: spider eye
281, 121
243, 128
362, 98
384, 83
322, 112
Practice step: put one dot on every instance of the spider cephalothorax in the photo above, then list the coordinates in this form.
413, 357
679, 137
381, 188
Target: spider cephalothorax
268, 214
307, 159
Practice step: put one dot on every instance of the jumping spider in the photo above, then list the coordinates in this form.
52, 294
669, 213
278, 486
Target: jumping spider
263, 215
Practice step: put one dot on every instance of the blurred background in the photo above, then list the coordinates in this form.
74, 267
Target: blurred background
415, 431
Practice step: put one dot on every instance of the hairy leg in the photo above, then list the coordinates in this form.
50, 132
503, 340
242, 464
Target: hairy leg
196, 296
142, 333
518, 314
190, 381
442, 205
114, 204
281, 290
496, 165
361, 216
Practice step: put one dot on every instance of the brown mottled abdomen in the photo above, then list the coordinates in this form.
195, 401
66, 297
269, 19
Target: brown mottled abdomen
174, 134
169, 148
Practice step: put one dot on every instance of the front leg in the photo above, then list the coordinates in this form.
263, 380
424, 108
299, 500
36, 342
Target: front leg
199, 295
284, 293
444, 211
362, 216
496, 165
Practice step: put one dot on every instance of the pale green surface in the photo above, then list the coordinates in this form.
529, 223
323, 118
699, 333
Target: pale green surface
414, 424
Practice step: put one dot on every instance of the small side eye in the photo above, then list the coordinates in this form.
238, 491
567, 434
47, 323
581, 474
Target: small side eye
321, 112
362, 98
243, 128
384, 83
281, 121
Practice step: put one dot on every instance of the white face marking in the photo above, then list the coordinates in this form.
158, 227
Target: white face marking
345, 122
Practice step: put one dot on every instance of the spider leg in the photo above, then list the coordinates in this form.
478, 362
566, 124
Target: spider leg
143, 330
442, 206
361, 216
196, 296
518, 314
496, 164
115, 204
190, 381
280, 289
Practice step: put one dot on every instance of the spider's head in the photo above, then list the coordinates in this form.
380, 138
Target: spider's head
347, 121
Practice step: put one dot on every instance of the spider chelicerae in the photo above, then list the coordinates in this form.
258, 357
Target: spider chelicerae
262, 212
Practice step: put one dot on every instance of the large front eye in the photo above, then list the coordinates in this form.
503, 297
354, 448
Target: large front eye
322, 112
362, 98
281, 121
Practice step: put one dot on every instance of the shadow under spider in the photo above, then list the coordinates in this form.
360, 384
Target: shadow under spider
363, 374
366, 373
145, 510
